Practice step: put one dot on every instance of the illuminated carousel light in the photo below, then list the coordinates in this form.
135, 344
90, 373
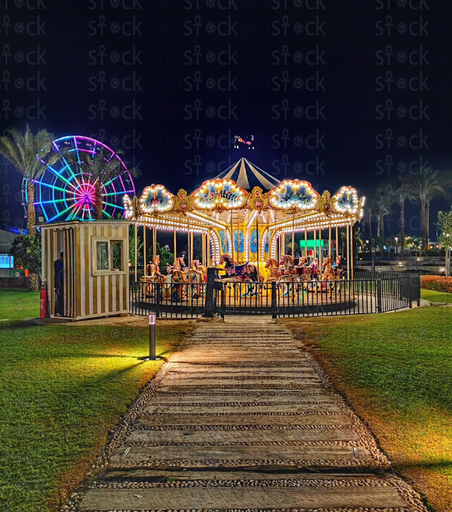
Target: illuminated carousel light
220, 194
156, 199
346, 200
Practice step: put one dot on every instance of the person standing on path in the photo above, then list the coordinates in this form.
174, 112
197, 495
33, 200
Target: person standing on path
59, 285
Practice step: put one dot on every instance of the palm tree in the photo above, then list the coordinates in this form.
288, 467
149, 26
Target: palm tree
426, 185
401, 195
22, 150
369, 218
101, 169
381, 205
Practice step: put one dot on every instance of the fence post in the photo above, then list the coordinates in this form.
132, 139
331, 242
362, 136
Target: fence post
157, 302
379, 308
223, 302
209, 306
274, 302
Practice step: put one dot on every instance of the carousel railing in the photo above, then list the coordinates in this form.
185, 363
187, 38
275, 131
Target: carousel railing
344, 297
172, 299
293, 297
246, 298
278, 298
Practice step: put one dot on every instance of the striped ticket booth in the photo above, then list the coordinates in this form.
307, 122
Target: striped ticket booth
95, 280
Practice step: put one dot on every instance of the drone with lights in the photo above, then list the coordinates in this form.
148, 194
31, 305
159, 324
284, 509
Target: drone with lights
247, 142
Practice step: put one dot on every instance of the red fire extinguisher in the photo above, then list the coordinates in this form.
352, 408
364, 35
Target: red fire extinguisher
43, 299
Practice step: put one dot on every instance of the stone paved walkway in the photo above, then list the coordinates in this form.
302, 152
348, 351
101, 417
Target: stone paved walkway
241, 419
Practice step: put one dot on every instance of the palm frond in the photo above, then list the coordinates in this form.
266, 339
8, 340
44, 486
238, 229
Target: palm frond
21, 150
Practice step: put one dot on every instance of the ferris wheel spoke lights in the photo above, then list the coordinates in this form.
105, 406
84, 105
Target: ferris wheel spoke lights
66, 190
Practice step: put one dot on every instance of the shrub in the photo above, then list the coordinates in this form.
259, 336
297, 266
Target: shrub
437, 283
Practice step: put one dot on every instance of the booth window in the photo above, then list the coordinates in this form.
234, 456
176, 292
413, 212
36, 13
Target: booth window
102, 256
116, 254
109, 256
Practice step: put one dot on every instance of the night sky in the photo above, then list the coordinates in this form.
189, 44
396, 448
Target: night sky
343, 92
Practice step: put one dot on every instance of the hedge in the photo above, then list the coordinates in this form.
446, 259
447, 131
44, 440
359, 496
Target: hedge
437, 283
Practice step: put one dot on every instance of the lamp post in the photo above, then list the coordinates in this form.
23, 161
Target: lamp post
372, 253
448, 255
152, 336
397, 245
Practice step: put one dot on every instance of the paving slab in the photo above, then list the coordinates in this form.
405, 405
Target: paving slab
219, 498
250, 409
220, 437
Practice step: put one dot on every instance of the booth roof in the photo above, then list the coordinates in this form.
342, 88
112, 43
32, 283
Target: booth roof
247, 176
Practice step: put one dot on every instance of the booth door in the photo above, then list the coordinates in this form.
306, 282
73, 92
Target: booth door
70, 272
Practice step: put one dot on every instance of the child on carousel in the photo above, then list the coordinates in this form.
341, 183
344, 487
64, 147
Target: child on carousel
301, 267
337, 267
315, 269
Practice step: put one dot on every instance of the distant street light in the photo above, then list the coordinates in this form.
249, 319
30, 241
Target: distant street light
448, 255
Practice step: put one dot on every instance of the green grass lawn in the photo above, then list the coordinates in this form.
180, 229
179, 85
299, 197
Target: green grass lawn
18, 303
436, 296
396, 370
63, 387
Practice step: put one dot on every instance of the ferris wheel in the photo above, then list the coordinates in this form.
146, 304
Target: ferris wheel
67, 191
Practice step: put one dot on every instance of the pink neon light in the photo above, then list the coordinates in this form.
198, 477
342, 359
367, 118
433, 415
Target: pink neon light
85, 195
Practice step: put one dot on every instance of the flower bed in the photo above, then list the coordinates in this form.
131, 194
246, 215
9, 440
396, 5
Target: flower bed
437, 283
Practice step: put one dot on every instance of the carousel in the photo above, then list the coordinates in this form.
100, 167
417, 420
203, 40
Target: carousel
252, 227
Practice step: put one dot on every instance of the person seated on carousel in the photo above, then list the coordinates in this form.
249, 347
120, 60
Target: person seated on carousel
301, 266
196, 272
315, 269
337, 267
196, 266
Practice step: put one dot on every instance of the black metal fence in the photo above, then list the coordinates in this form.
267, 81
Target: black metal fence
285, 298
313, 298
168, 299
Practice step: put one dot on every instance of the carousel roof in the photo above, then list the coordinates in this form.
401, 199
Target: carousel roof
247, 176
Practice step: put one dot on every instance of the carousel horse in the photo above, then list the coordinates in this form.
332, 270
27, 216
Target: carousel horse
233, 274
328, 275
153, 276
275, 273
233, 271
289, 274
153, 269
179, 264
250, 275
229, 265
288, 270
151, 286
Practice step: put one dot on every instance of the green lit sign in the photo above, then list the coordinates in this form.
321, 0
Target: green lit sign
312, 243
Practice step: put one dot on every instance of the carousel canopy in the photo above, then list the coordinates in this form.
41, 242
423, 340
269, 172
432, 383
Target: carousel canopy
242, 204
247, 176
